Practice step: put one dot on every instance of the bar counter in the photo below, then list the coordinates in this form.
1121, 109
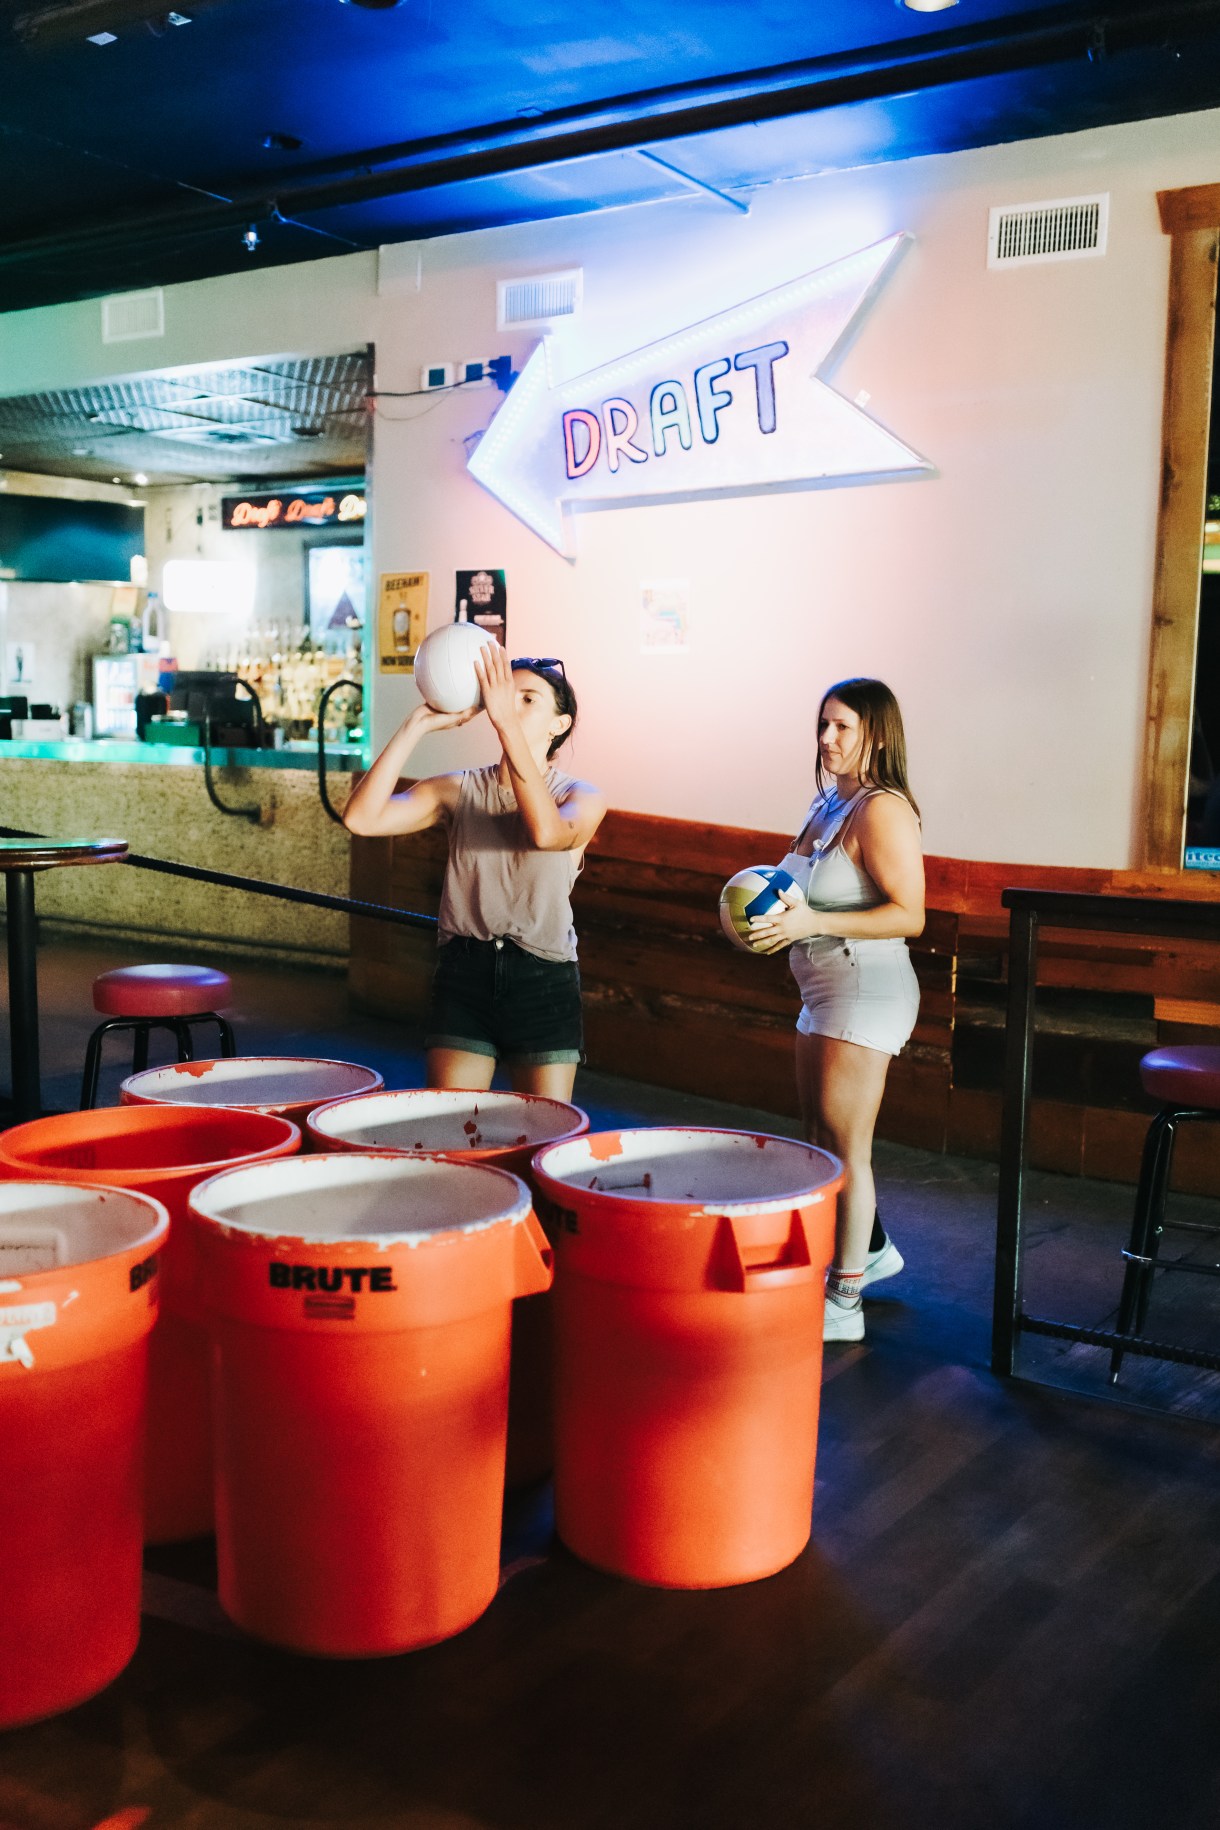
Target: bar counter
342, 758
154, 796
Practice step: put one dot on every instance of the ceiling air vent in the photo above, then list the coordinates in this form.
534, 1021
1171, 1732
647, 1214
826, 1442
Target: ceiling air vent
131, 315
1071, 229
538, 301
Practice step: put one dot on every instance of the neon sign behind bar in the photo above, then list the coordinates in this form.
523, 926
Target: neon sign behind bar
307, 508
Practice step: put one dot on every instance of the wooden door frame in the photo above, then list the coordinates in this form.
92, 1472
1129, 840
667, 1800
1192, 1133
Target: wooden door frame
1191, 219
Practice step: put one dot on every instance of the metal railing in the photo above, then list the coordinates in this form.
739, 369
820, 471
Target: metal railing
282, 892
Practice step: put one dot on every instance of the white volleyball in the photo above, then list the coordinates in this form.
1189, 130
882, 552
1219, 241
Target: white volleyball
758, 890
444, 666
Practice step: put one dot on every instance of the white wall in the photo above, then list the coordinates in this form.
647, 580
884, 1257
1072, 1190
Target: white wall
1006, 598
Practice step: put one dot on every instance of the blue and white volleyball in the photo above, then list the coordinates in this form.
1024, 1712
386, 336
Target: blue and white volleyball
760, 890
444, 667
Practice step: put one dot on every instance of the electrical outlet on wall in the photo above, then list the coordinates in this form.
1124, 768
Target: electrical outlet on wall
436, 375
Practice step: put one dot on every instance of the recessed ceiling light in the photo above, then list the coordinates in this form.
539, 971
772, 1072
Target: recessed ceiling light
927, 6
116, 479
139, 478
103, 38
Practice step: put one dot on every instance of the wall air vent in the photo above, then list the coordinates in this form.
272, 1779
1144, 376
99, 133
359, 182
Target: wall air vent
1071, 229
132, 315
539, 301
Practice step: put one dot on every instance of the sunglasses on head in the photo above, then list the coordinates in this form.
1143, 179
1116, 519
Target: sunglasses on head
536, 664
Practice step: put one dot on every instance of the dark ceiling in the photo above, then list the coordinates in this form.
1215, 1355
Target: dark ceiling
326, 126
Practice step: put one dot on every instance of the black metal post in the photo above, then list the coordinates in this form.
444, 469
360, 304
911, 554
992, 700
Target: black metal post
1018, 1063
23, 994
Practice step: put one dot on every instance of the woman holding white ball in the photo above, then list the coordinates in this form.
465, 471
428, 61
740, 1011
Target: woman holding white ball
506, 985
859, 863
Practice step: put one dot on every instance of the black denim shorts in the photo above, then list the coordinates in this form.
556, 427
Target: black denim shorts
491, 997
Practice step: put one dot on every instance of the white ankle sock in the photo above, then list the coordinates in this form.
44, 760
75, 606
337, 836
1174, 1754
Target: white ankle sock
843, 1287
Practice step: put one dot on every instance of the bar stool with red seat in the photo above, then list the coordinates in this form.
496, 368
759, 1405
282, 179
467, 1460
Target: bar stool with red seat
1186, 1080
144, 998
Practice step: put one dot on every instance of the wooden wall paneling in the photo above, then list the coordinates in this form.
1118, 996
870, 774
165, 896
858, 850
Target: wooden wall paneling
1179, 547
973, 1123
1195, 207
915, 1107
691, 970
668, 1000
1113, 1145
1200, 1013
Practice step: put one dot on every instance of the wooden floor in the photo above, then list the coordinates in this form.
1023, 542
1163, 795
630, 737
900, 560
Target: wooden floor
1008, 1615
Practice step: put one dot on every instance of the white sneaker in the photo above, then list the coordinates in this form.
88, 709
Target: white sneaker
886, 1261
842, 1324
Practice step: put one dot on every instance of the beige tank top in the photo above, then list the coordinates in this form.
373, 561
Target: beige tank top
497, 885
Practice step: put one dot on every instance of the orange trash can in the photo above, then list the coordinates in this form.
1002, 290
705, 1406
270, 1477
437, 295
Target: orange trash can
359, 1308
160, 1151
501, 1128
689, 1288
78, 1296
290, 1086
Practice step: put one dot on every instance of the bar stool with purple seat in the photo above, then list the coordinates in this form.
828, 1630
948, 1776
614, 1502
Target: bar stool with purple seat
144, 998
1187, 1082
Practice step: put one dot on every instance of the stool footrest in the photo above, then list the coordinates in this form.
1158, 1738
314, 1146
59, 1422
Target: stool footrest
141, 1027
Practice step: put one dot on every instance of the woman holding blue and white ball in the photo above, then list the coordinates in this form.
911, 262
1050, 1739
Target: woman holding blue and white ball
506, 985
858, 865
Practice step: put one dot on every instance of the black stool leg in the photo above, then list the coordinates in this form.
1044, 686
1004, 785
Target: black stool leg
1156, 1218
1145, 1228
93, 1054
182, 1030
228, 1046
93, 1067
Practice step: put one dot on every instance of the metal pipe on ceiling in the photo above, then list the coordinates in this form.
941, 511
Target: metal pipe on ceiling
677, 111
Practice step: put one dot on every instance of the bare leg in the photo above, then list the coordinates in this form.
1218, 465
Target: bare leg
840, 1086
459, 1068
553, 1079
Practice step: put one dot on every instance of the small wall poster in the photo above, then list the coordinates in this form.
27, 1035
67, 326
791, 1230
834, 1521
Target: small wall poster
402, 620
334, 591
664, 615
483, 594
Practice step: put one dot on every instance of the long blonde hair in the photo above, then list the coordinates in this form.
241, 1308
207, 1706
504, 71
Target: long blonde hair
883, 761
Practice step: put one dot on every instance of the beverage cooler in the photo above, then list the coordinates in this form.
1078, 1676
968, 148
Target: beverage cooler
117, 678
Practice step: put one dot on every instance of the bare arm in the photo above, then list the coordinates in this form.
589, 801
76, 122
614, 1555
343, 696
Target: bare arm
565, 825
375, 811
888, 835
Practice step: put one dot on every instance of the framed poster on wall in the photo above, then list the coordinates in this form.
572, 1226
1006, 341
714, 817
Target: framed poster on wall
481, 597
334, 592
402, 620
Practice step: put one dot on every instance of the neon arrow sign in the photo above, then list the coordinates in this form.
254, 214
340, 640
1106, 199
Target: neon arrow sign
730, 405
